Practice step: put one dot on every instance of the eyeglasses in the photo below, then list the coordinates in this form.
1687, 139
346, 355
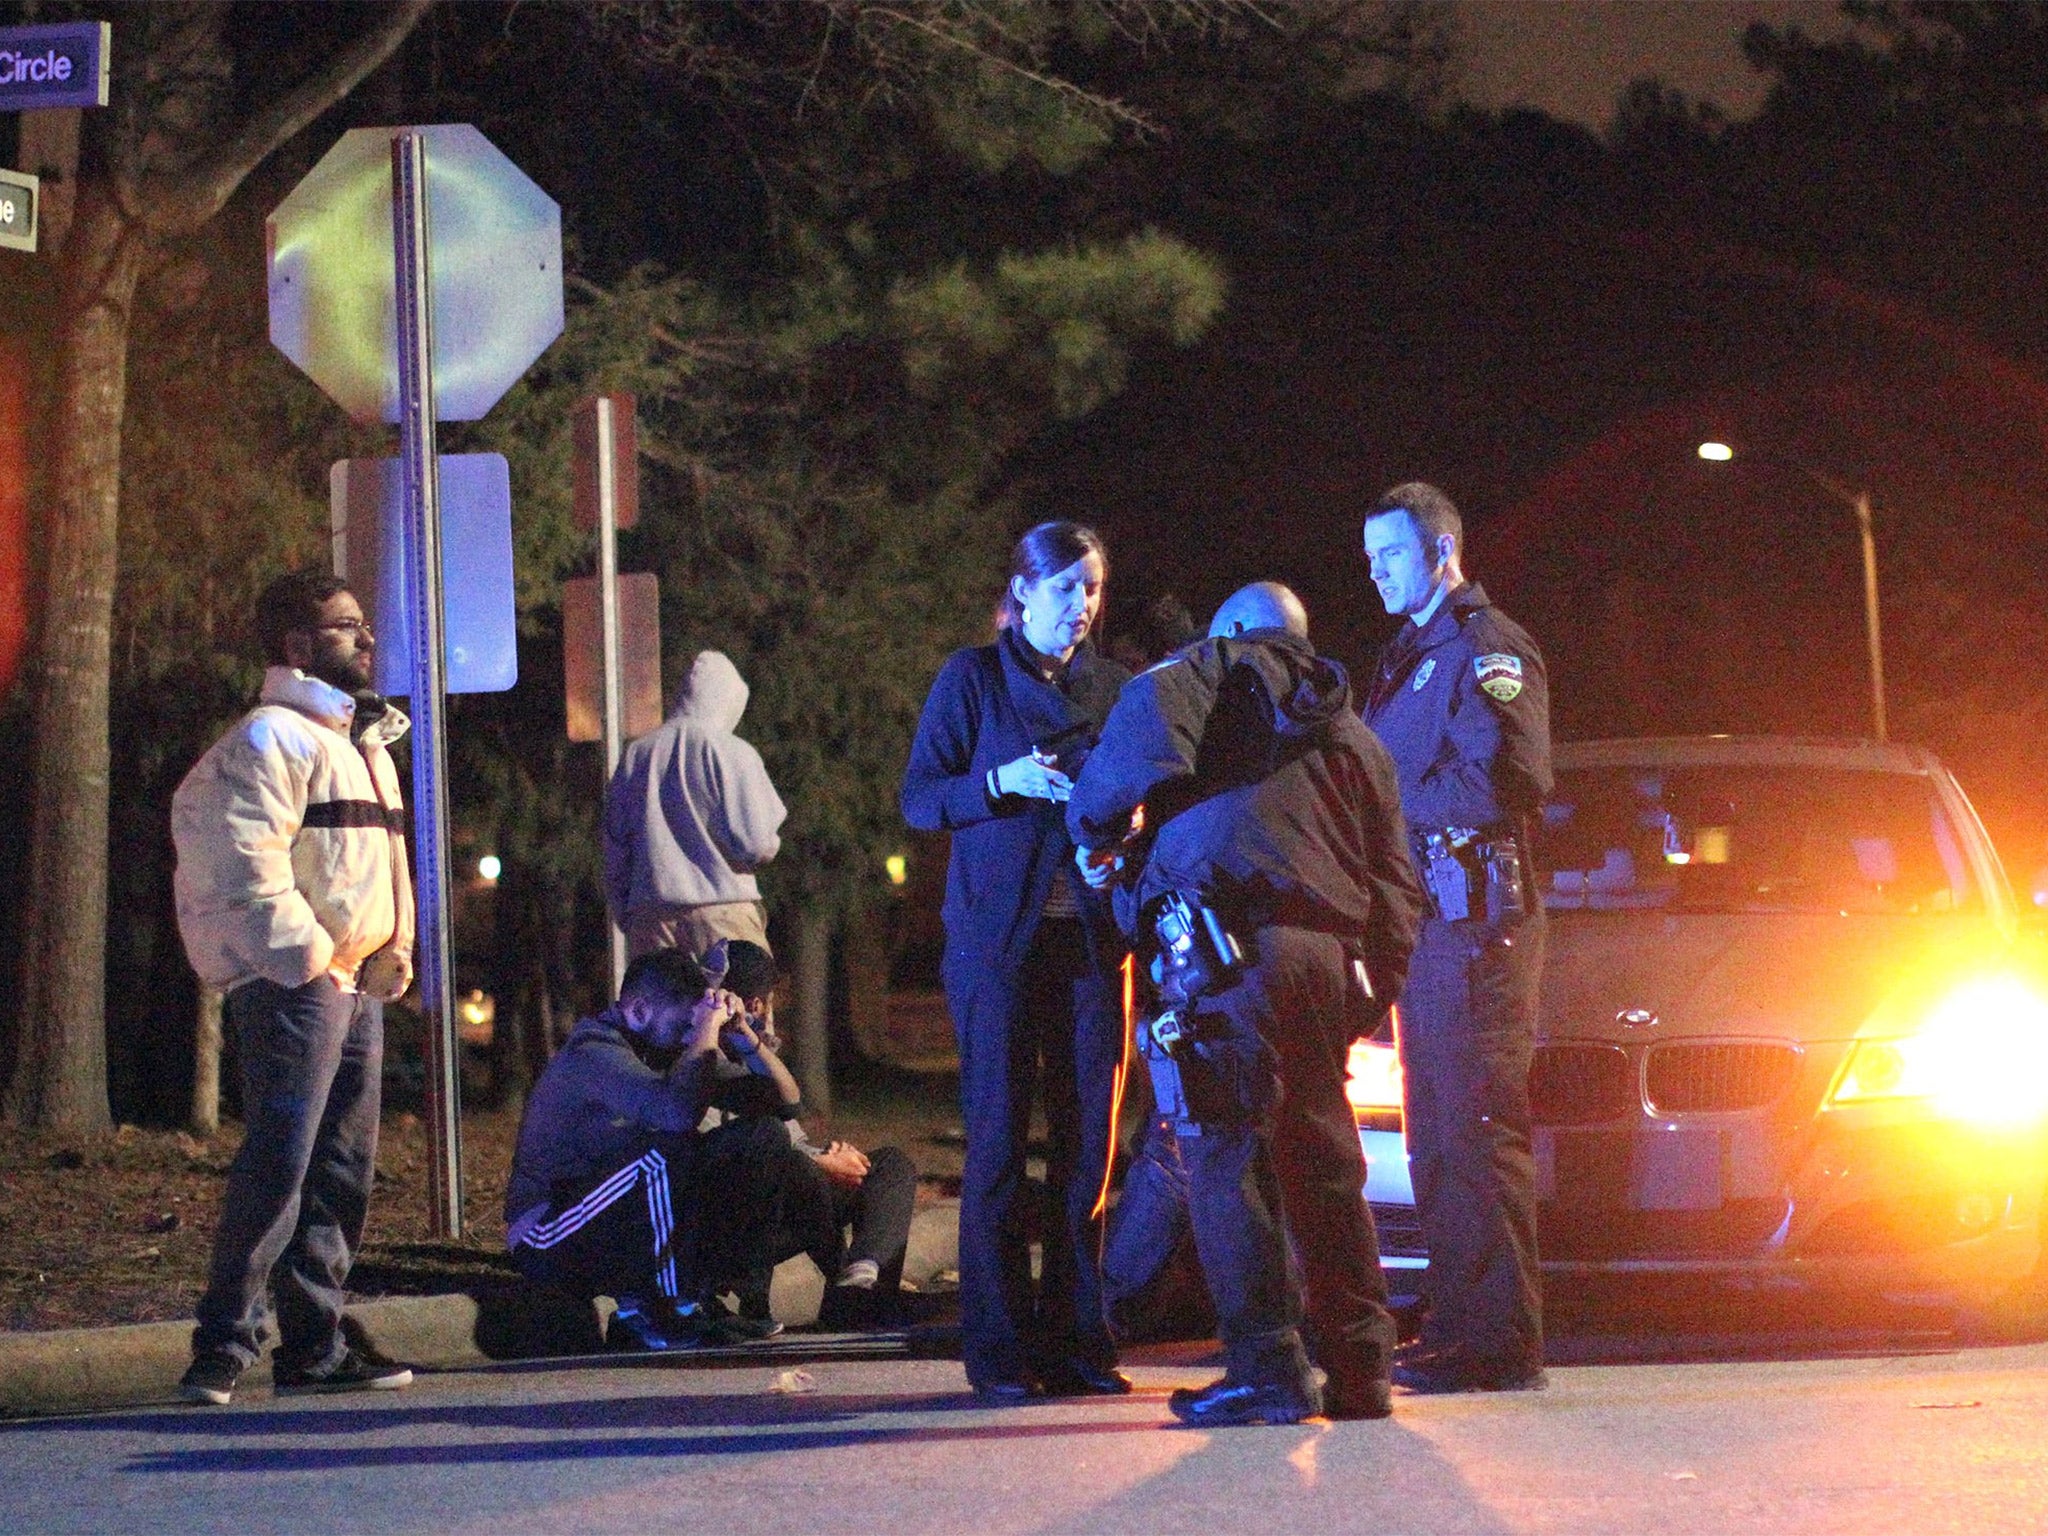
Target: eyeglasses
349, 627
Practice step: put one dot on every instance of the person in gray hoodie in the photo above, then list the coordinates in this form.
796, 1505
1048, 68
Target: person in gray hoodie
690, 814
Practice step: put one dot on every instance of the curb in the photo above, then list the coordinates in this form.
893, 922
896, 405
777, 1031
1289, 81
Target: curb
84, 1370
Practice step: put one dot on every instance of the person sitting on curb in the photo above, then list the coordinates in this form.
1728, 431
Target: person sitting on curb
614, 1190
873, 1195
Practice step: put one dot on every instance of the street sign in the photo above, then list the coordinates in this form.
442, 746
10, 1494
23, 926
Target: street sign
480, 635
496, 273
639, 655
62, 64
18, 196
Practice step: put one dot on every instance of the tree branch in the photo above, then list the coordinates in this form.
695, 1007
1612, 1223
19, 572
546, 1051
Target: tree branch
176, 205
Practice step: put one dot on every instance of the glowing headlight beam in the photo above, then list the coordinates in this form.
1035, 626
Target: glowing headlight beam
1980, 1056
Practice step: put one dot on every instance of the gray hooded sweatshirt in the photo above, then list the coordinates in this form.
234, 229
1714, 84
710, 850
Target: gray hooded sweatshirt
690, 813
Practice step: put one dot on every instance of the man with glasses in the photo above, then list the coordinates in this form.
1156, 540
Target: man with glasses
295, 901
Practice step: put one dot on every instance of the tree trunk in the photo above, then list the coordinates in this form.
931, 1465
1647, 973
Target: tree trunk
867, 985
60, 1068
166, 62
205, 1118
809, 1032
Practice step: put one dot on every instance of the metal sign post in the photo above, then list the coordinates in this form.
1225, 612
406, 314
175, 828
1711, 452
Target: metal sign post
421, 471
606, 437
608, 620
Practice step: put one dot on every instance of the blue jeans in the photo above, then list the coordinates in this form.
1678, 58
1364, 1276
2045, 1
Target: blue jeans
312, 1060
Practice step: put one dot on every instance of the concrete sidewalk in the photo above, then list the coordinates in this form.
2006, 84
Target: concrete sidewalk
78, 1370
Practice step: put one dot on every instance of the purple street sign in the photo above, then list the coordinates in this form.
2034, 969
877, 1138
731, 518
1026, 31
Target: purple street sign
61, 64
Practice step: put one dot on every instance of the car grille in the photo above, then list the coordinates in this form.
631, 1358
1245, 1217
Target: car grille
1735, 1229
1725, 1075
1580, 1084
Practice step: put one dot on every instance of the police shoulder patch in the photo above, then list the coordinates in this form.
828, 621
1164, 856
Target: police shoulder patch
1500, 674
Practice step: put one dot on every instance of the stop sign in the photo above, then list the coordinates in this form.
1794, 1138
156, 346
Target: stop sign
496, 259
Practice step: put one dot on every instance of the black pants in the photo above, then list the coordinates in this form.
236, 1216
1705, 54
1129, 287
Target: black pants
1289, 1160
1151, 1276
836, 1224
1054, 1028
685, 1217
1468, 1021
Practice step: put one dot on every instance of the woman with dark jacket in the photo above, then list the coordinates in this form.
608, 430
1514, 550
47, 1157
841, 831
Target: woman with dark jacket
1031, 964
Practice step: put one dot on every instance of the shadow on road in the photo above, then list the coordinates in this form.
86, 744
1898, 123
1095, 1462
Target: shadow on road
1602, 1321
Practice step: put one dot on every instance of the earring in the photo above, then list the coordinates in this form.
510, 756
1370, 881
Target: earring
1024, 612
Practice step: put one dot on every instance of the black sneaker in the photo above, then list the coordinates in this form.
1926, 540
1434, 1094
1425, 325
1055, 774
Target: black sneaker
1357, 1395
353, 1372
211, 1378
1231, 1401
1432, 1372
749, 1325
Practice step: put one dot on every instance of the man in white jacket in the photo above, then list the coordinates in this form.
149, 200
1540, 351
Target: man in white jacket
294, 899
689, 816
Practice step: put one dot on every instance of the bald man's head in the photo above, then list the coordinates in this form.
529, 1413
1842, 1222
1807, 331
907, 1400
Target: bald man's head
1262, 605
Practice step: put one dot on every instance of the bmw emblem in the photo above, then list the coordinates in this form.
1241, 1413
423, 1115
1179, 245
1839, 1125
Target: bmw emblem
1636, 1018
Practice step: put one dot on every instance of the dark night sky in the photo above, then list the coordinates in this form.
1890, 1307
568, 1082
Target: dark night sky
1571, 58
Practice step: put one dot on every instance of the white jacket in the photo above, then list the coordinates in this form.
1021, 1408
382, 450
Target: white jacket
291, 847
690, 813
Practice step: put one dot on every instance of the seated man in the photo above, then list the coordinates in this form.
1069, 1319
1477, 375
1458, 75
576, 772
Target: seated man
613, 1190
847, 1188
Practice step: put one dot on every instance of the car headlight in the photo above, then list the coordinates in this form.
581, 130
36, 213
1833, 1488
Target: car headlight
1373, 1079
1980, 1055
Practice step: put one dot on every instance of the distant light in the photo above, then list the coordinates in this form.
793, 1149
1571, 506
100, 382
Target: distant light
898, 867
489, 867
1716, 453
476, 1018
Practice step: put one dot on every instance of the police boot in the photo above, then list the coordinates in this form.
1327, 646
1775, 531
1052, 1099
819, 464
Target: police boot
1356, 1382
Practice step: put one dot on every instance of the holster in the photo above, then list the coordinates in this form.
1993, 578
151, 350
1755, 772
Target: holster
1197, 956
1470, 874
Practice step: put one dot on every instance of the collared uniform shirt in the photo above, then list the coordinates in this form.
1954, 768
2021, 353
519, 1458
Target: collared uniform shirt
1462, 704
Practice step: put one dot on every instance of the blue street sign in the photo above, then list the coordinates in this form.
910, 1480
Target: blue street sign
61, 64
366, 508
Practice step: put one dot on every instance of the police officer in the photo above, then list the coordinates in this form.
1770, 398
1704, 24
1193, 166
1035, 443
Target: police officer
1461, 702
1276, 828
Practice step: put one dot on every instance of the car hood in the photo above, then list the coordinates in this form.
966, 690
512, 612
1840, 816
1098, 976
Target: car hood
1808, 978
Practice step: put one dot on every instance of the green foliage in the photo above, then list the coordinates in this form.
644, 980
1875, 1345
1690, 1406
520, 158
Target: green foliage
1054, 326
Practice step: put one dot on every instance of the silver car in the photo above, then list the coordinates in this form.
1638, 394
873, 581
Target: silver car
1791, 1029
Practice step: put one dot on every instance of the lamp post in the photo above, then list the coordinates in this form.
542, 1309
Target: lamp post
1858, 502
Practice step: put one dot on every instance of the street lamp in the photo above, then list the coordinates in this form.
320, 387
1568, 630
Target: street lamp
1856, 501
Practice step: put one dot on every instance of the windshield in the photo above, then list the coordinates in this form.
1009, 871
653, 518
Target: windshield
1742, 839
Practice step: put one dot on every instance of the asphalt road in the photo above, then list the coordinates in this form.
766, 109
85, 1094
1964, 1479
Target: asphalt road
1757, 1430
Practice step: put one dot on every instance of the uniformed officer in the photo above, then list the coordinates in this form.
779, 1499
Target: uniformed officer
1275, 888
1461, 702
